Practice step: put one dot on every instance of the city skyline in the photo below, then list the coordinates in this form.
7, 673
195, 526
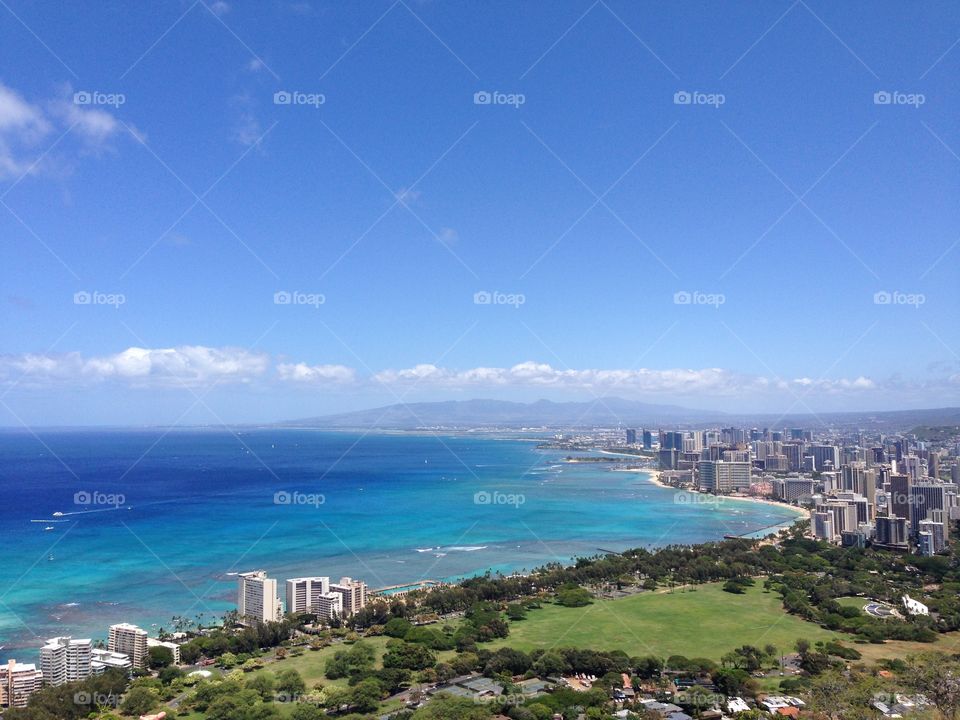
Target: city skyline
251, 213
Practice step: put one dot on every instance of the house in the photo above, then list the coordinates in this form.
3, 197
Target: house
736, 705
773, 703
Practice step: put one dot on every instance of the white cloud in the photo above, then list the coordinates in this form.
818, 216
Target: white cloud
28, 129
533, 374
200, 365
94, 125
146, 367
315, 374
22, 126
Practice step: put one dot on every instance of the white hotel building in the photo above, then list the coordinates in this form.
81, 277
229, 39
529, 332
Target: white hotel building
313, 595
64, 659
130, 641
257, 599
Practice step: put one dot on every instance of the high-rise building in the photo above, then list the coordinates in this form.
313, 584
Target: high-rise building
892, 532
631, 436
823, 526
930, 537
667, 459
925, 499
353, 592
18, 681
131, 641
257, 599
720, 476
825, 457
843, 515
898, 498
647, 440
313, 595
793, 489
65, 659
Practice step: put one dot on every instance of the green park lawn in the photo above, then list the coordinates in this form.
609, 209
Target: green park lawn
701, 621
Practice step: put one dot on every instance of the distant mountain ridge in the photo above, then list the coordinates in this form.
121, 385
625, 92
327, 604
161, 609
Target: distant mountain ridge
504, 413
607, 412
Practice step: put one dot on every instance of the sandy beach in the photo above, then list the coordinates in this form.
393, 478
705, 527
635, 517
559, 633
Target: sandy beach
653, 476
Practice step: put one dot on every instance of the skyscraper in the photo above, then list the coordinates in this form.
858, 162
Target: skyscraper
257, 599
64, 659
720, 476
354, 593
129, 640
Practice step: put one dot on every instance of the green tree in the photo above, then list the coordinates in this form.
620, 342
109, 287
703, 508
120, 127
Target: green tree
160, 657
139, 701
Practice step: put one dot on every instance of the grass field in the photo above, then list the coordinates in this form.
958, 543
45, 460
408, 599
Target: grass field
703, 621
857, 602
311, 663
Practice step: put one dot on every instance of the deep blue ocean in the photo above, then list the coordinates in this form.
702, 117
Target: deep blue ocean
155, 522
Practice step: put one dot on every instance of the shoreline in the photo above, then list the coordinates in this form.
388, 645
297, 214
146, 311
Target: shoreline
653, 477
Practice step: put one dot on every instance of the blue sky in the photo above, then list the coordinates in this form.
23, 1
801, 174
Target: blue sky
144, 159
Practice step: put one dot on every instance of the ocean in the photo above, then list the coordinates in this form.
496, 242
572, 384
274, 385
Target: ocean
156, 523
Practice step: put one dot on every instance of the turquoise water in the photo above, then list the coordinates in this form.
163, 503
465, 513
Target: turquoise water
191, 507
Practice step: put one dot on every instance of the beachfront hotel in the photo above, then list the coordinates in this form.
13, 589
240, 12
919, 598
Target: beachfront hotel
18, 681
65, 659
313, 595
257, 599
130, 641
353, 592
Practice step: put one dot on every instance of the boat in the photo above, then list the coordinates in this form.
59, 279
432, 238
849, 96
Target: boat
58, 514
48, 528
50, 556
